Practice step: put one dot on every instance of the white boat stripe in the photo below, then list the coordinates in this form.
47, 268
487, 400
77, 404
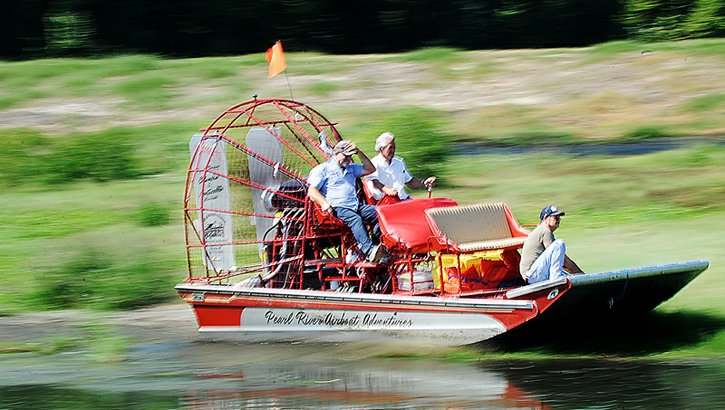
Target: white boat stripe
322, 296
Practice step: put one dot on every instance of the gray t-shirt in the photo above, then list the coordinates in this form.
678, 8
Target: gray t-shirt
534, 246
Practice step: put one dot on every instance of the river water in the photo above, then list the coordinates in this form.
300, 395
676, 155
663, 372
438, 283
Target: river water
203, 374
645, 146
228, 376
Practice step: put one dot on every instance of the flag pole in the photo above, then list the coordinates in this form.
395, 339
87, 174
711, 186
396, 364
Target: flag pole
288, 86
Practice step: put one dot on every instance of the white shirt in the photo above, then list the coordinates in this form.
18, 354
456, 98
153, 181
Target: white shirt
394, 175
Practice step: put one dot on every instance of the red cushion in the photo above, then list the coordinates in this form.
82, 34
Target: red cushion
404, 226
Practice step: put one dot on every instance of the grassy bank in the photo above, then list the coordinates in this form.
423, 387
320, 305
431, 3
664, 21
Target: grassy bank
95, 154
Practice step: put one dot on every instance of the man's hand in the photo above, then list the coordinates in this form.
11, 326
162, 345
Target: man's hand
326, 208
571, 266
390, 191
429, 182
317, 197
351, 149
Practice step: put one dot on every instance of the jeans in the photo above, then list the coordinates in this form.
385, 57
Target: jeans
549, 265
356, 220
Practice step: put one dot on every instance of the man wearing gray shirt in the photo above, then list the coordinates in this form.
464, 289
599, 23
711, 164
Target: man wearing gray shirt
544, 257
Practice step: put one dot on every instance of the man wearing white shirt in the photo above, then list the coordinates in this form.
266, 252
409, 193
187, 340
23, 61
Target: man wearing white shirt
391, 175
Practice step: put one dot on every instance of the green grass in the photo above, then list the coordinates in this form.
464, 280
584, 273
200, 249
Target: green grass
153, 89
706, 47
125, 234
667, 184
322, 88
110, 154
99, 340
607, 50
705, 103
436, 55
700, 47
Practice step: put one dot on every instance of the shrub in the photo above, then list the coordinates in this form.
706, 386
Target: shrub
645, 133
22, 156
152, 214
68, 285
96, 280
114, 154
421, 140
93, 157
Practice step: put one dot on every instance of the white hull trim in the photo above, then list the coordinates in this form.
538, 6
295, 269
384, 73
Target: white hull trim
312, 296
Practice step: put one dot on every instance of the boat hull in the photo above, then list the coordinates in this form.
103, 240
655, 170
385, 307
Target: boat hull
625, 292
260, 314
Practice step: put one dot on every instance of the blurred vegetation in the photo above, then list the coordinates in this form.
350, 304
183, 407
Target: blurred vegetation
91, 157
92, 279
421, 138
645, 133
153, 214
109, 245
672, 19
322, 88
222, 27
97, 338
31, 157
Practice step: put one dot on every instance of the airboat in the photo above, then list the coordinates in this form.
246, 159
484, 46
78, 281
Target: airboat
266, 265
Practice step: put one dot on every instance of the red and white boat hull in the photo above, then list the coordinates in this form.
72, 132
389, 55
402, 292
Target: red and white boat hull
293, 315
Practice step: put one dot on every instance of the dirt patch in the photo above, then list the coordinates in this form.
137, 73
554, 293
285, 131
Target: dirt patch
160, 323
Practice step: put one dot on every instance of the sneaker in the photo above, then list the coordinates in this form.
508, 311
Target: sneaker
370, 256
376, 253
353, 256
384, 260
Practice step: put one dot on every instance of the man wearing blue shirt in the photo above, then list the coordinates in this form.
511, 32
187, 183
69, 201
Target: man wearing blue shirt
332, 187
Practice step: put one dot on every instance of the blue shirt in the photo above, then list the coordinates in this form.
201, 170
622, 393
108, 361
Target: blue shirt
337, 184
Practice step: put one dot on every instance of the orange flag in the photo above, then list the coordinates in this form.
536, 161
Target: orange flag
275, 58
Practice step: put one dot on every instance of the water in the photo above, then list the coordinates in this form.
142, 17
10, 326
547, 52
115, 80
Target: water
641, 147
168, 365
207, 375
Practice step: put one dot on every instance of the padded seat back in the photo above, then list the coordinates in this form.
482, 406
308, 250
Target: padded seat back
486, 225
404, 227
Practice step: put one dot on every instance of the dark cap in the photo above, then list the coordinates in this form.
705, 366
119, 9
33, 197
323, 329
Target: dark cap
342, 147
550, 210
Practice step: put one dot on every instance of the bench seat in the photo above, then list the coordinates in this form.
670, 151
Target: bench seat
477, 227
